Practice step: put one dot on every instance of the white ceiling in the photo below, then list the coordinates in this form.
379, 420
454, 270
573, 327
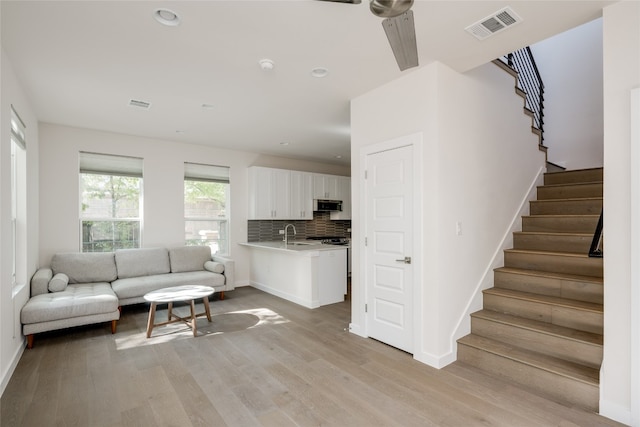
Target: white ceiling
80, 62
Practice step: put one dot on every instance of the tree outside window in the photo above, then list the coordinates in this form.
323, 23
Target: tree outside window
206, 195
110, 204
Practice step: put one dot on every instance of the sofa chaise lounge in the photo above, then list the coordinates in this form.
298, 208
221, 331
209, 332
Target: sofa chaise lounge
85, 288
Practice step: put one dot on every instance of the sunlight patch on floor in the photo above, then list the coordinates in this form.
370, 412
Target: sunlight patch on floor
221, 323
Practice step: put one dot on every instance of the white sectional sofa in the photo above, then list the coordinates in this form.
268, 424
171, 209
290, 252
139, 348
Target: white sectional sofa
85, 288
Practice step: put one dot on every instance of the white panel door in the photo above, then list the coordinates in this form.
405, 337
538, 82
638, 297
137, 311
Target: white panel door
389, 274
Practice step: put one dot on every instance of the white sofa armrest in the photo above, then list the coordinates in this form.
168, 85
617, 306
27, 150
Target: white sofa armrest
229, 271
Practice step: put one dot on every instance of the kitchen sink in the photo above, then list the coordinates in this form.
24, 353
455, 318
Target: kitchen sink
302, 243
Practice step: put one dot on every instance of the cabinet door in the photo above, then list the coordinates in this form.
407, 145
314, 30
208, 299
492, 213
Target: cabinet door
269, 193
281, 193
301, 195
260, 197
318, 186
344, 194
325, 186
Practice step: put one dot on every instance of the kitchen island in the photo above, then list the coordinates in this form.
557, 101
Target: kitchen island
307, 273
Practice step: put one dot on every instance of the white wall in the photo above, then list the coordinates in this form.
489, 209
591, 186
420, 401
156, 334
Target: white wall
571, 67
479, 163
12, 299
163, 218
621, 33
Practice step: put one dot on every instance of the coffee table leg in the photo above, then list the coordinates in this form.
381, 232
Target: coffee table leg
169, 308
205, 301
193, 317
152, 317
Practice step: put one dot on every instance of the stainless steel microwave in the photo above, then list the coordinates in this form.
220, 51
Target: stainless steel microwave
327, 205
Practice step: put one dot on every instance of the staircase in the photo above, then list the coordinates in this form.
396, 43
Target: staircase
541, 325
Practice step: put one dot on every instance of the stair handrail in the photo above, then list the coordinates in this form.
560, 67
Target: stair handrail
595, 250
530, 82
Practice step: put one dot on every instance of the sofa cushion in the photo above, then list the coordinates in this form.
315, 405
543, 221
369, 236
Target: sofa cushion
142, 262
58, 283
75, 301
87, 267
189, 258
138, 286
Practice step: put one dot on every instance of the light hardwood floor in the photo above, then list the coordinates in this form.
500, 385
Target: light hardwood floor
262, 361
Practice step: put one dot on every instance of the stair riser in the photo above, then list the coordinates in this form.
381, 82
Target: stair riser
566, 207
554, 224
555, 263
571, 289
582, 320
551, 345
571, 177
570, 191
547, 384
565, 243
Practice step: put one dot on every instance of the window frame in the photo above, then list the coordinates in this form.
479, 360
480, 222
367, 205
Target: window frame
18, 142
115, 166
197, 172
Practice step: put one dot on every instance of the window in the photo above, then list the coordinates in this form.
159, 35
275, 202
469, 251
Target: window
206, 206
110, 195
18, 199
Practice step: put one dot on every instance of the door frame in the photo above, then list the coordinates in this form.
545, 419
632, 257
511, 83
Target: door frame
414, 140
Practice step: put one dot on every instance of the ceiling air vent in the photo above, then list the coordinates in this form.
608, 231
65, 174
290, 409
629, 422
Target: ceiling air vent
140, 104
501, 20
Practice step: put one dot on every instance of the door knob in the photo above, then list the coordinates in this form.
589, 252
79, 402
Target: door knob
406, 260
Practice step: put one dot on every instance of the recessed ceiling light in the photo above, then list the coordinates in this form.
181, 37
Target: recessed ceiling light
166, 17
319, 72
284, 143
266, 64
208, 106
180, 132
338, 157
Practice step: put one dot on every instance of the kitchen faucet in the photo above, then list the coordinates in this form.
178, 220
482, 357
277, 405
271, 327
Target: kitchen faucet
286, 240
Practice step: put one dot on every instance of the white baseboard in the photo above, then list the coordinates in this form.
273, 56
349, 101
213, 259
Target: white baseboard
6, 376
615, 412
287, 296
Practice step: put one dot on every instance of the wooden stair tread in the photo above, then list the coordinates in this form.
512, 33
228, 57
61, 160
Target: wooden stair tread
539, 252
553, 233
546, 299
557, 366
570, 184
568, 199
551, 275
563, 216
541, 327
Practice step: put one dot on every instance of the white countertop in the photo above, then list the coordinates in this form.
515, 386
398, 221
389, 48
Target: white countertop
295, 246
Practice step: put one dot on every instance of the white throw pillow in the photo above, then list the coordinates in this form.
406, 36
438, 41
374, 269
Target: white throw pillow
58, 283
214, 267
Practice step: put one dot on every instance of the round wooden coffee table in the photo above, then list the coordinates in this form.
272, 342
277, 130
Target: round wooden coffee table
185, 293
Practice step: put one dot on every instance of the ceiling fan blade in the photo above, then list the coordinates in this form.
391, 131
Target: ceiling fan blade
401, 33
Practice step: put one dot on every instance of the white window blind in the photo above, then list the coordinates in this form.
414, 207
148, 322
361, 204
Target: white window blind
200, 172
107, 164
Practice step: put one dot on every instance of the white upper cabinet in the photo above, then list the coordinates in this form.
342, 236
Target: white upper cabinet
325, 187
344, 194
301, 195
286, 194
269, 193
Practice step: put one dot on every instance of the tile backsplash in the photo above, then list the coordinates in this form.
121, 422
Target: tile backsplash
321, 225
